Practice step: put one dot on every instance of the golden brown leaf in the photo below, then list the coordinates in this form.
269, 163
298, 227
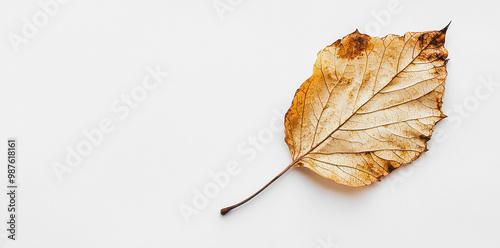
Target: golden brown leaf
369, 107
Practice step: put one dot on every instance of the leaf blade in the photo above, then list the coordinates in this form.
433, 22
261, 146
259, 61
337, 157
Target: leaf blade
372, 100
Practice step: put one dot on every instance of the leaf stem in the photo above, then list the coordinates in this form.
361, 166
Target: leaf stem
226, 210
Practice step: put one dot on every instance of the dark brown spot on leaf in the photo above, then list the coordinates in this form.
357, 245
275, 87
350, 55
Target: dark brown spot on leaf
354, 45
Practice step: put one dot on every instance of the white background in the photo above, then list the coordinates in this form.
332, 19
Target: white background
228, 75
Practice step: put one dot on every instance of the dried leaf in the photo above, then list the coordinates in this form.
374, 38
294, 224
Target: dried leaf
369, 107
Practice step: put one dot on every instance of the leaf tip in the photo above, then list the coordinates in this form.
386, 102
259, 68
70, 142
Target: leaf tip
445, 28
